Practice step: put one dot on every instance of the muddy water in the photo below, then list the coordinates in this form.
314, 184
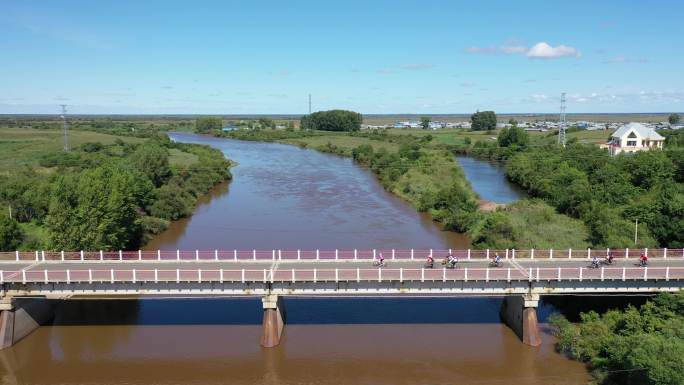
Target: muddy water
288, 198
285, 197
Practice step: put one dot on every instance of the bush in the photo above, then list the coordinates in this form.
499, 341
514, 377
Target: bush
483, 121
333, 120
207, 124
11, 235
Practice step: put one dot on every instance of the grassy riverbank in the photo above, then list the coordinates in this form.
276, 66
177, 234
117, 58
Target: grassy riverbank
107, 192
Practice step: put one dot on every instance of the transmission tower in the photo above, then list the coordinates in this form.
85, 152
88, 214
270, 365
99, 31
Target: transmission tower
561, 122
66, 128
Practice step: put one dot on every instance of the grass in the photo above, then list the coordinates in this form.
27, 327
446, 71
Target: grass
531, 224
343, 141
180, 158
34, 235
24, 146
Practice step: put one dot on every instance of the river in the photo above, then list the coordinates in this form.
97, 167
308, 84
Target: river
286, 197
489, 180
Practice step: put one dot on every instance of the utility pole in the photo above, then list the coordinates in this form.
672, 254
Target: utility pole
309, 104
561, 122
66, 128
636, 230
10, 210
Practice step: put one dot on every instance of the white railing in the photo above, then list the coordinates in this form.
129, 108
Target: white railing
329, 255
134, 275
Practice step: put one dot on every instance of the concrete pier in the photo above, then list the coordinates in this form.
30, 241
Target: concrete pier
274, 320
520, 314
19, 319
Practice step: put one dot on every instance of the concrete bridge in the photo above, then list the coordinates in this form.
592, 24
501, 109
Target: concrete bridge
274, 274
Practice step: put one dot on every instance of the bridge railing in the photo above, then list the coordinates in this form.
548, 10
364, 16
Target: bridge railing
134, 275
328, 255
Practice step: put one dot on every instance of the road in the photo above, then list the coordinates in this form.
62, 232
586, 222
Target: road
267, 270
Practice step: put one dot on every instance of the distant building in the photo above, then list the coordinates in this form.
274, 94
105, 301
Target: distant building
633, 137
229, 127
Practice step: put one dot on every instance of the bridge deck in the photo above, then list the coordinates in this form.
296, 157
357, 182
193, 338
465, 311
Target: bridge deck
402, 276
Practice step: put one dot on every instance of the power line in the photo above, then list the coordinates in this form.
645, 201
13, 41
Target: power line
66, 127
562, 123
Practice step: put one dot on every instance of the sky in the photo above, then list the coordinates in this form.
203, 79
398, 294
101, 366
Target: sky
374, 57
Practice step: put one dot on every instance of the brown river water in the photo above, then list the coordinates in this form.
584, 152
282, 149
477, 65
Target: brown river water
286, 197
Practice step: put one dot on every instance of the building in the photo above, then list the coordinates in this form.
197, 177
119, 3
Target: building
633, 137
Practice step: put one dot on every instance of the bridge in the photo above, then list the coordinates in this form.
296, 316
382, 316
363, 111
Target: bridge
524, 276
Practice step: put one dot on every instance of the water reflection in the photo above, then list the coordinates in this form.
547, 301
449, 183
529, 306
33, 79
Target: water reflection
489, 181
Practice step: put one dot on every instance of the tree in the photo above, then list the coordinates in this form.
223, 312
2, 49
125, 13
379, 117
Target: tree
10, 234
673, 118
512, 122
153, 161
425, 122
333, 120
483, 121
514, 136
267, 123
207, 124
98, 209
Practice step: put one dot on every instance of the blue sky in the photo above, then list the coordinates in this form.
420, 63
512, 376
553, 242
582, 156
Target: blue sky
240, 57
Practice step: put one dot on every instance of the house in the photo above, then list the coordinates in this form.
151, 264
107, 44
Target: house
229, 127
633, 137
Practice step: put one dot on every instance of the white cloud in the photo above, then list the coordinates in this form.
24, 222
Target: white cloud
622, 59
416, 66
513, 49
543, 50
482, 50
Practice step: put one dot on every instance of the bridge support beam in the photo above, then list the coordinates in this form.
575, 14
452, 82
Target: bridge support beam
18, 321
520, 314
274, 320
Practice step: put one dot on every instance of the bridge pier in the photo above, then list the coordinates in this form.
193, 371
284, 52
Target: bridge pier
274, 320
18, 321
520, 314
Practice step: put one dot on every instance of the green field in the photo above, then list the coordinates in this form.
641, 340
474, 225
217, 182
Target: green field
25, 146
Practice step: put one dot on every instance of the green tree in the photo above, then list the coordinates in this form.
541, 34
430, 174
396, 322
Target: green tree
152, 160
10, 234
514, 136
425, 122
633, 346
208, 124
673, 118
267, 123
98, 209
483, 121
333, 120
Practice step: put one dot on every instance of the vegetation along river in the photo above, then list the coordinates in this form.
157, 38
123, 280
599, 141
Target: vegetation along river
286, 197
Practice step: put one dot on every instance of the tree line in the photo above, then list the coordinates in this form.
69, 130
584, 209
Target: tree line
104, 196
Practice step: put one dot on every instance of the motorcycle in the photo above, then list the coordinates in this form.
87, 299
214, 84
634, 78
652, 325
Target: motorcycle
594, 265
379, 263
495, 264
429, 265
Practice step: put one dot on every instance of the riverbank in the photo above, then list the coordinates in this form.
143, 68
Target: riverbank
137, 185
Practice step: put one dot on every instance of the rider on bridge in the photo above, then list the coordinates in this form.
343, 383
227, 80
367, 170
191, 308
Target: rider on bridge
643, 259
